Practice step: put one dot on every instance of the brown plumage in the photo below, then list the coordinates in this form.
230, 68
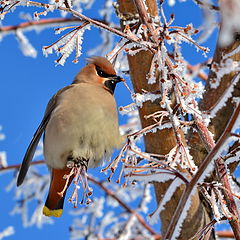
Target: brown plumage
80, 122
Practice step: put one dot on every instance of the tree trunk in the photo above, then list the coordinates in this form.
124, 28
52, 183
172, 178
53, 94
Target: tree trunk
162, 141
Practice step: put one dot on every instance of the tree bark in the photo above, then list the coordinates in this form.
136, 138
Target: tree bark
211, 97
162, 141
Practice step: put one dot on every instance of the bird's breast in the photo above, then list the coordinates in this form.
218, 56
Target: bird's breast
83, 125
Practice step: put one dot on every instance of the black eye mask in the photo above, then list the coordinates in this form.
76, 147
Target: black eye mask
112, 79
110, 84
103, 74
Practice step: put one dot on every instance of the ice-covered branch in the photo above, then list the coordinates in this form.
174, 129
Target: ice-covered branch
67, 43
145, 17
85, 18
124, 205
230, 21
7, 232
107, 190
207, 4
204, 169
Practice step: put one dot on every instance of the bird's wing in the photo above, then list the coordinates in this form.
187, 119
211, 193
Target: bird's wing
37, 135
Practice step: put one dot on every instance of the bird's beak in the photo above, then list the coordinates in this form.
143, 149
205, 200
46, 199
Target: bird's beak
118, 79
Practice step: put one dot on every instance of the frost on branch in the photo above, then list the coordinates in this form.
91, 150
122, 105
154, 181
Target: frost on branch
3, 154
167, 197
226, 95
9, 5
2, 135
210, 21
180, 155
177, 93
231, 149
226, 66
79, 174
230, 21
101, 216
78, 5
7, 232
133, 123
32, 193
177, 96
67, 44
107, 37
213, 193
3, 159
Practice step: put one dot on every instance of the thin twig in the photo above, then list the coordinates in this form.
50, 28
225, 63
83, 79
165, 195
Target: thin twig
123, 204
16, 166
204, 134
92, 21
109, 192
209, 5
225, 234
41, 22
145, 18
223, 178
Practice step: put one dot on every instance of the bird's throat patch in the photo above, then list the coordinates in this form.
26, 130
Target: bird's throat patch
110, 85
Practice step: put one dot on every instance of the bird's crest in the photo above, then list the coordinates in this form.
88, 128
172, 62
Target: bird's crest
103, 64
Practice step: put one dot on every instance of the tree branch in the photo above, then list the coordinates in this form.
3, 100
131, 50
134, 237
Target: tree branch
16, 166
92, 21
108, 192
205, 4
144, 16
124, 205
41, 22
140, 66
187, 192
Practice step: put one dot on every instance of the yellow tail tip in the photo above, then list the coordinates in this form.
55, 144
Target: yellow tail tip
55, 213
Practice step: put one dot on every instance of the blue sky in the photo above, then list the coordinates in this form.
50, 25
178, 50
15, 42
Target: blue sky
26, 86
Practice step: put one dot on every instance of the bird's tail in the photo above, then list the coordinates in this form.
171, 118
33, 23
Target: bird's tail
56, 195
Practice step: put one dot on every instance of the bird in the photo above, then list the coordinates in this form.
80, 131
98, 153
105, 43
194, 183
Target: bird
80, 124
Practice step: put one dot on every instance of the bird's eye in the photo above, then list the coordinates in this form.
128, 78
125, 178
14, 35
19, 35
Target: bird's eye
100, 72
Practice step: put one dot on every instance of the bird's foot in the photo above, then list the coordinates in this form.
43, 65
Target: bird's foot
77, 162
79, 170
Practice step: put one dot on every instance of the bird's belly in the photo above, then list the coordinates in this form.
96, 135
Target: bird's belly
88, 137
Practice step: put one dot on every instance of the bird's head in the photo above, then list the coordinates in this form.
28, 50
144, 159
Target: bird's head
99, 71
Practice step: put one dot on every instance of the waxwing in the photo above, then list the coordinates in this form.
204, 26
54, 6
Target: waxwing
80, 124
